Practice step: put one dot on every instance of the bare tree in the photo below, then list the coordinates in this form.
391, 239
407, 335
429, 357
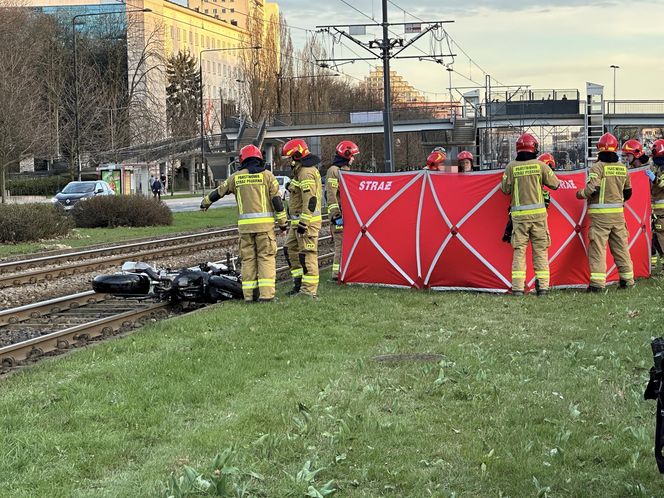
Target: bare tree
260, 68
22, 124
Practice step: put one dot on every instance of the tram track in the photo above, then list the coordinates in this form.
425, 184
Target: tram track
52, 267
30, 332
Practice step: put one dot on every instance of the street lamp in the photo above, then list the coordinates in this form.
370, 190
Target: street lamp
200, 81
290, 85
76, 121
614, 67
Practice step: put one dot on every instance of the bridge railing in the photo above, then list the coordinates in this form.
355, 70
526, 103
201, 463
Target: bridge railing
364, 116
634, 106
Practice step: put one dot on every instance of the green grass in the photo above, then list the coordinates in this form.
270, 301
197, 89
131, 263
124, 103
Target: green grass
534, 397
83, 237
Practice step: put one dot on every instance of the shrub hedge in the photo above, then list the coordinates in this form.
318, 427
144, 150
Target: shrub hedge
121, 210
37, 186
31, 222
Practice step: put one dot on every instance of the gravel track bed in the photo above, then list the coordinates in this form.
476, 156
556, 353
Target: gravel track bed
12, 297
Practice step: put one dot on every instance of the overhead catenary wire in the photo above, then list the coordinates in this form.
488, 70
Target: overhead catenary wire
454, 42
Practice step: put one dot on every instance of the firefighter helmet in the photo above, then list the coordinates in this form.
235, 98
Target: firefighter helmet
527, 143
633, 147
435, 159
465, 155
296, 149
657, 149
347, 149
250, 151
607, 143
548, 159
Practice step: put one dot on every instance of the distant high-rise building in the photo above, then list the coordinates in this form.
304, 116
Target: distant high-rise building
402, 91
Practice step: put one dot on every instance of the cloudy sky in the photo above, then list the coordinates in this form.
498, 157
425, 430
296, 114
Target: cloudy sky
545, 44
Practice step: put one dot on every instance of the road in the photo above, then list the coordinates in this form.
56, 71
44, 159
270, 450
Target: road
177, 205
193, 203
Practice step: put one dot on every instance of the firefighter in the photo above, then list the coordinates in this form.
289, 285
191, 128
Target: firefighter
634, 155
259, 205
656, 176
465, 161
436, 159
306, 192
548, 159
523, 180
607, 188
344, 156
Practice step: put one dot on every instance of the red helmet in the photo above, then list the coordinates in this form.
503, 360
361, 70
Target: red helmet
435, 159
657, 149
296, 149
465, 155
527, 143
607, 143
347, 149
633, 147
250, 151
548, 159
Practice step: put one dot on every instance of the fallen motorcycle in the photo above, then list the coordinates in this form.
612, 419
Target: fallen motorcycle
205, 283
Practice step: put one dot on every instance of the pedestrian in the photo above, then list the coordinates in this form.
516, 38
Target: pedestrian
306, 192
344, 155
523, 180
156, 189
259, 206
607, 189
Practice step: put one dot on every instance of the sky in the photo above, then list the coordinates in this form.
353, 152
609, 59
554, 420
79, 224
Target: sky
545, 44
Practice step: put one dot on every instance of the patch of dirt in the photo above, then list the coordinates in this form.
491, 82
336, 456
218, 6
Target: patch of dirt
402, 357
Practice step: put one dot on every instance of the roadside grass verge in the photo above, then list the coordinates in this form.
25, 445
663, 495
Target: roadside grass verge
84, 237
530, 397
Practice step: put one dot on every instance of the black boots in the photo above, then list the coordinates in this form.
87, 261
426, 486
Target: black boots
297, 284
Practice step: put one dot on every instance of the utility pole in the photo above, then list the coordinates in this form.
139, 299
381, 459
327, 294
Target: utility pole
387, 95
614, 67
384, 50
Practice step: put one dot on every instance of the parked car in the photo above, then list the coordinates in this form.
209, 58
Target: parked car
283, 182
76, 191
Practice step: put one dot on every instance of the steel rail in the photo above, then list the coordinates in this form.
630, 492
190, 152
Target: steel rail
34, 276
24, 264
56, 305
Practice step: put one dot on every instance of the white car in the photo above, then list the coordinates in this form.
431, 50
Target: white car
283, 181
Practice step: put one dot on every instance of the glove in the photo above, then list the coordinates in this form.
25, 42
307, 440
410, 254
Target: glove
301, 229
338, 220
283, 228
507, 235
204, 207
579, 194
651, 175
547, 198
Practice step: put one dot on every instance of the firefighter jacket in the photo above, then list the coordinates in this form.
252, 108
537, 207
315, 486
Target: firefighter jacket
332, 191
254, 193
524, 180
607, 188
657, 192
306, 191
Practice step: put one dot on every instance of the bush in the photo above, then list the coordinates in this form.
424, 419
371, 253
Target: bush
121, 210
31, 222
37, 186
